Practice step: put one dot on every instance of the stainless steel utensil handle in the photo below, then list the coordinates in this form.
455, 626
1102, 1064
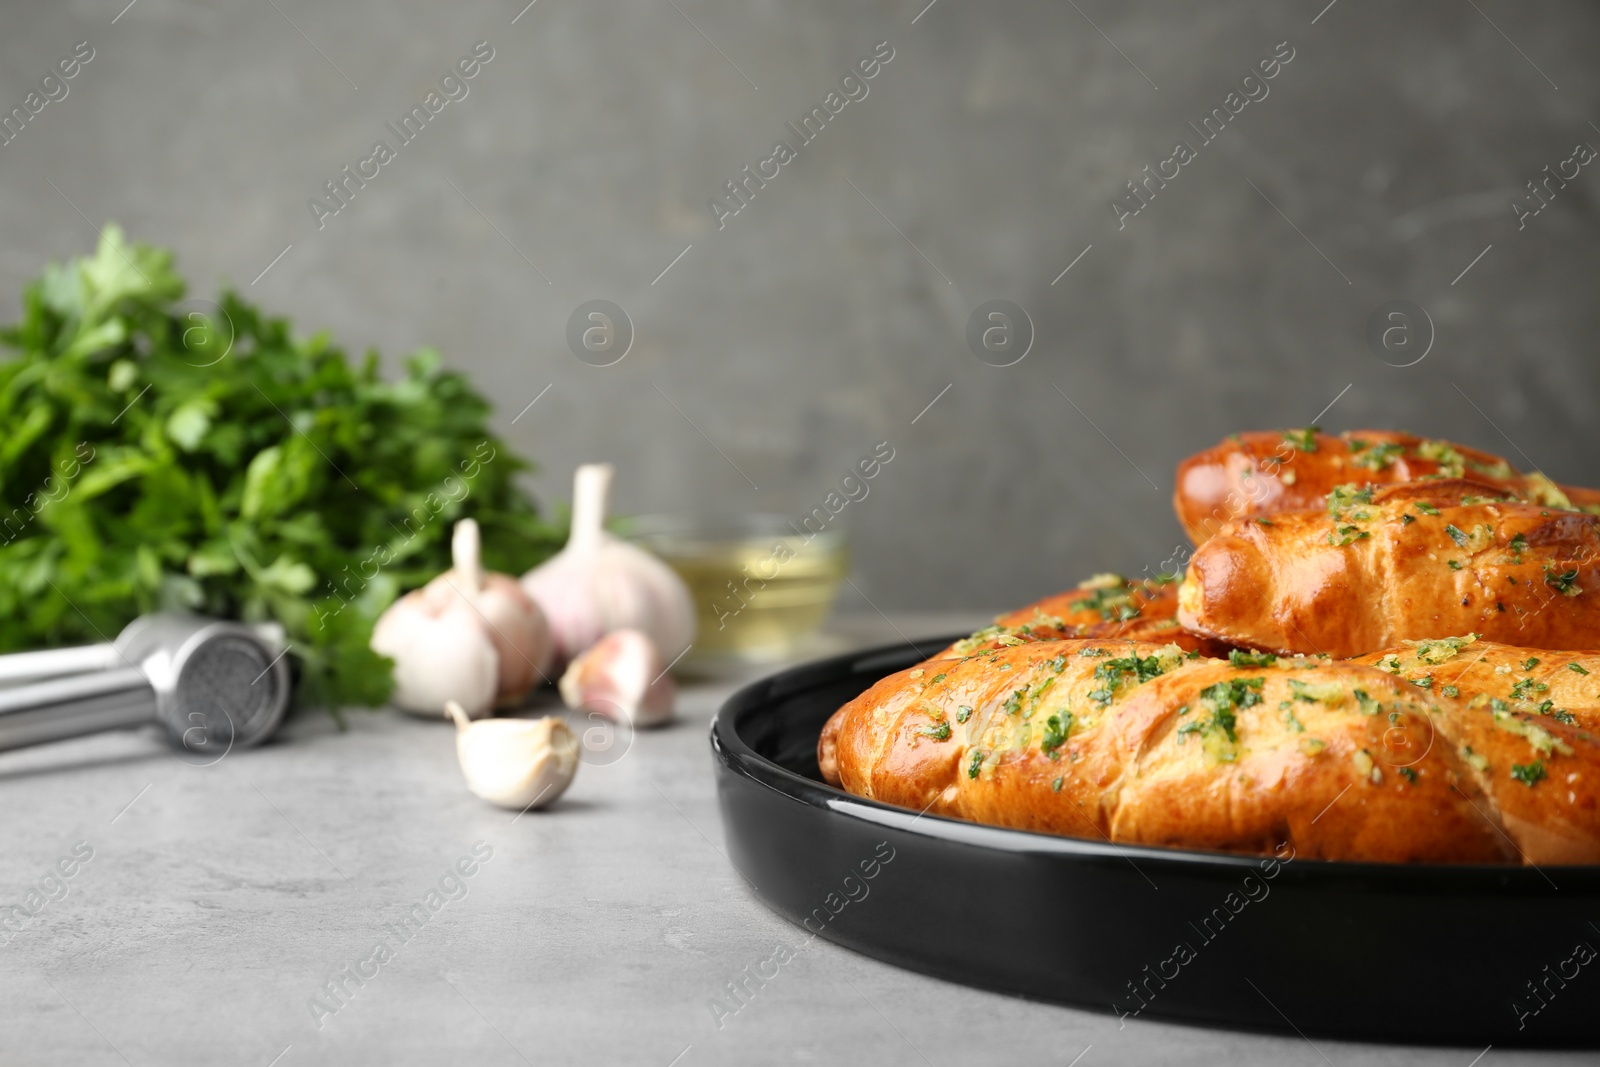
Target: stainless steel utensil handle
20, 667
71, 707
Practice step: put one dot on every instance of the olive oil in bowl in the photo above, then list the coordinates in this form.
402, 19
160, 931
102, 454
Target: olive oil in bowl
761, 584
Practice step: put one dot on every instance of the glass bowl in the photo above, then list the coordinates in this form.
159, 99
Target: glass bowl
761, 584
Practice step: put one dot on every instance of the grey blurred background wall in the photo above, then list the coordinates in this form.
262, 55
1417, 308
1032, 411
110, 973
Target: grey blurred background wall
828, 314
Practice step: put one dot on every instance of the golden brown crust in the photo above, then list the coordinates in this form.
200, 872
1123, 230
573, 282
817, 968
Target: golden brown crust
1264, 472
1341, 761
1107, 607
1561, 685
1420, 560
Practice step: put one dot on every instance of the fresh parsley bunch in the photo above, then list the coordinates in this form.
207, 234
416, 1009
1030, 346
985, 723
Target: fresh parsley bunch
154, 456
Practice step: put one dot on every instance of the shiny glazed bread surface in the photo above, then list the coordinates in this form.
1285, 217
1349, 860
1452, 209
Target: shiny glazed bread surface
1415, 561
1139, 743
1264, 472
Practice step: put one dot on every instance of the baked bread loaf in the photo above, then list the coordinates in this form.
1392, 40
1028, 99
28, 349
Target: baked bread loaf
1147, 744
1562, 685
1263, 472
1408, 562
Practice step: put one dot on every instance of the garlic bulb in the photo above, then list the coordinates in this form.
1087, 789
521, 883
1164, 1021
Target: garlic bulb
437, 657
599, 583
622, 674
470, 635
515, 763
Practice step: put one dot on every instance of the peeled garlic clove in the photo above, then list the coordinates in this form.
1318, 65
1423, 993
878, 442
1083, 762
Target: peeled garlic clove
507, 615
515, 763
599, 583
439, 655
621, 674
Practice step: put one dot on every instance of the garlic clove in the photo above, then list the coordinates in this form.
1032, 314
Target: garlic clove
599, 583
438, 656
515, 763
621, 674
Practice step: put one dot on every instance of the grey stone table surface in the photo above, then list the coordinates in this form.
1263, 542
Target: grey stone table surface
210, 910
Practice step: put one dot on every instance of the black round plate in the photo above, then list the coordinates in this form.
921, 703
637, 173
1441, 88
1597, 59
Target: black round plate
1443, 954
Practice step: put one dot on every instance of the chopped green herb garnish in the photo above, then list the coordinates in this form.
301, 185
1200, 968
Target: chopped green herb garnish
1056, 728
1530, 663
937, 731
1528, 773
1344, 533
1576, 668
1343, 496
1292, 721
1518, 543
1522, 687
975, 763
1455, 564
1437, 651
1379, 456
1562, 715
1305, 440
963, 713
936, 679
1111, 673
1367, 705
1425, 682
1240, 658
1451, 464
1565, 583
1263, 522
1313, 693
1409, 775
1450, 691
1407, 520
1113, 602
1224, 698
1056, 785
1457, 535
1426, 508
